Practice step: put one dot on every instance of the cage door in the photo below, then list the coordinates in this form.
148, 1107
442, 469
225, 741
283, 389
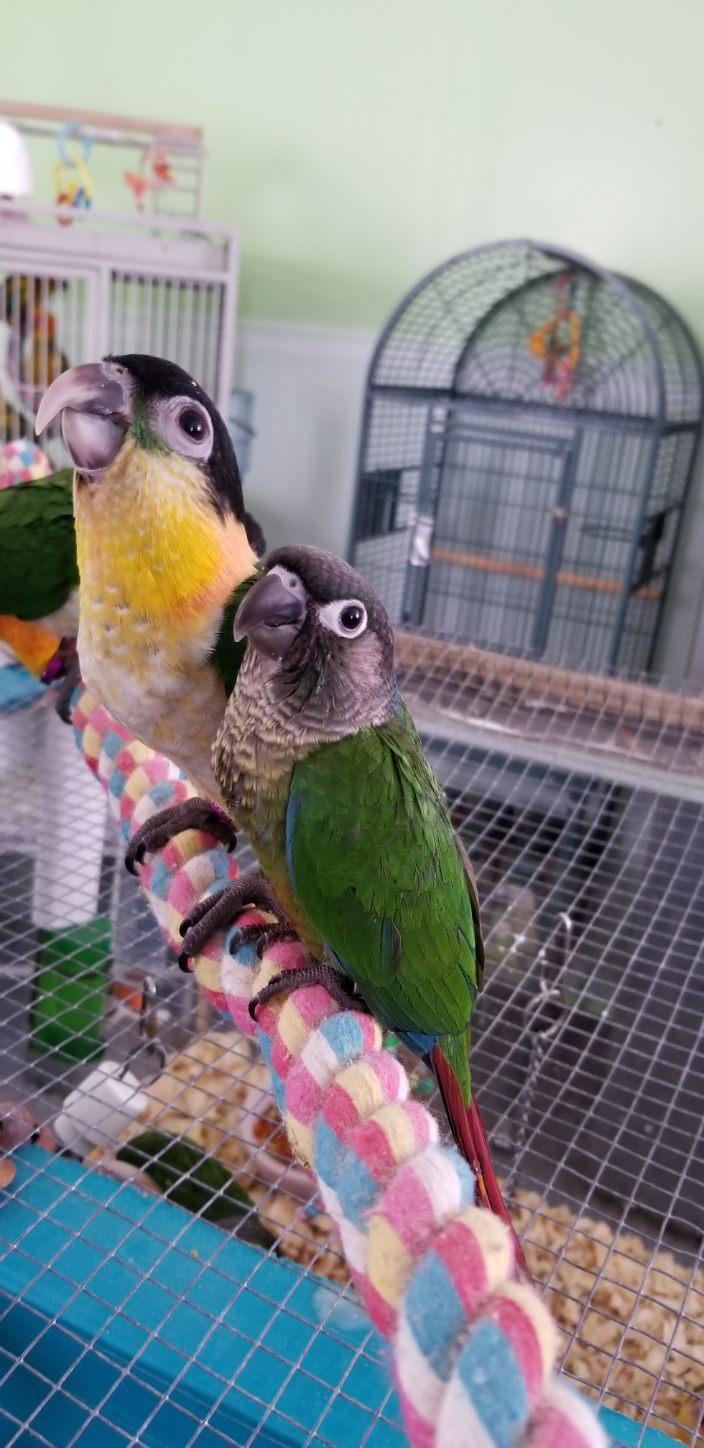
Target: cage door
487, 543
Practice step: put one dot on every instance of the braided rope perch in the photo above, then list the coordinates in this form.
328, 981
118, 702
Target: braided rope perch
473, 1349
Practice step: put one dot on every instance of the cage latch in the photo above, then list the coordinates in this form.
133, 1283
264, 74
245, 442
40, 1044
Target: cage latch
651, 534
422, 529
148, 1045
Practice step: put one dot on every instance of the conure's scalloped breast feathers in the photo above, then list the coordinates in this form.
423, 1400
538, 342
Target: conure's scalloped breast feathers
38, 568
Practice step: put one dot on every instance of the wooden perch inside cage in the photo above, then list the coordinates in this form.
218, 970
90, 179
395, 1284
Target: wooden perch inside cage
597, 694
514, 569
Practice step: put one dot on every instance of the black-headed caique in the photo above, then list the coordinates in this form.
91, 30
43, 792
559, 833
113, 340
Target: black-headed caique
163, 557
39, 571
319, 761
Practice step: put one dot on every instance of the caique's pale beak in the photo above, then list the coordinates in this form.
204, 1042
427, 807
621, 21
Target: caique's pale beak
272, 612
95, 403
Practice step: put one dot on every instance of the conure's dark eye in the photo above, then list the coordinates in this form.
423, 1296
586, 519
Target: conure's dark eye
347, 618
192, 423
351, 616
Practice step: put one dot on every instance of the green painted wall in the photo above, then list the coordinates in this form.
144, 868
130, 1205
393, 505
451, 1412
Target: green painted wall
358, 143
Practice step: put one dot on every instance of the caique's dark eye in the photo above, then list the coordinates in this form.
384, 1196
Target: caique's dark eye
352, 616
185, 426
192, 423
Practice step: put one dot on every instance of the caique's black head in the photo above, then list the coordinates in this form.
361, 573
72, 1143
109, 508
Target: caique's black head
155, 403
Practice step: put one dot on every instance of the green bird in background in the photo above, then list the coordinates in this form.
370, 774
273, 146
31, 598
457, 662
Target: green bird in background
39, 578
39, 573
319, 761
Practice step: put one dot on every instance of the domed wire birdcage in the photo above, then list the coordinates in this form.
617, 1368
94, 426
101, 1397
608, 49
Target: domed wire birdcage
529, 430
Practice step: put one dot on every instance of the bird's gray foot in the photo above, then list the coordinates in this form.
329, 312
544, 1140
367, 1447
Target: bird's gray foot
317, 973
265, 935
193, 814
219, 911
64, 665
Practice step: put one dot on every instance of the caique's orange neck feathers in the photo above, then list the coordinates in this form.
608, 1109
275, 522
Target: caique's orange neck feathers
149, 538
31, 643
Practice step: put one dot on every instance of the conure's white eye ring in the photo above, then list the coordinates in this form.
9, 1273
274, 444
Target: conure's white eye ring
347, 618
185, 426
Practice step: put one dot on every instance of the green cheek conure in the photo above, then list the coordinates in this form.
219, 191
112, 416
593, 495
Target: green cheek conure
319, 761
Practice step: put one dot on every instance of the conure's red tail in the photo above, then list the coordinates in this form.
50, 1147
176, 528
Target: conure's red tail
470, 1135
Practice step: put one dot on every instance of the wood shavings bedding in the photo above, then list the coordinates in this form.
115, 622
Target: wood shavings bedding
637, 1313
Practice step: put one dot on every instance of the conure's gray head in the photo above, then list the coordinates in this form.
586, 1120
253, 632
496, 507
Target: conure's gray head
326, 637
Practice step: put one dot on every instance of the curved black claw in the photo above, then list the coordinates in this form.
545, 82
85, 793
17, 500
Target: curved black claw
64, 694
265, 935
317, 973
219, 911
193, 814
271, 935
64, 665
200, 910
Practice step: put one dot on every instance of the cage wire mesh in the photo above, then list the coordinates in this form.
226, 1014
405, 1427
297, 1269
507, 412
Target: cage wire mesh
109, 285
582, 805
529, 430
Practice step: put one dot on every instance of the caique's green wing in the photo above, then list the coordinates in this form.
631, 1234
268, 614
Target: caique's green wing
374, 862
228, 655
38, 567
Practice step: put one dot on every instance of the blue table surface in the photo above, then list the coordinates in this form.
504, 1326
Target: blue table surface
17, 688
124, 1315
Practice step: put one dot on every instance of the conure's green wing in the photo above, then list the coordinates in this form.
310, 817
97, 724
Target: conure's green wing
38, 567
471, 879
374, 863
228, 655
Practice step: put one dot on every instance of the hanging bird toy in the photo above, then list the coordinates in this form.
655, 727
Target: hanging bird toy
72, 178
557, 342
154, 173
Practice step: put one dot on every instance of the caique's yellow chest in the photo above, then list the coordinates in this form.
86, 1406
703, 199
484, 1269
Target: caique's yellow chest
162, 689
157, 566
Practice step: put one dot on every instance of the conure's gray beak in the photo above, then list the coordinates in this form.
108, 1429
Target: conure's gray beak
271, 614
94, 401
